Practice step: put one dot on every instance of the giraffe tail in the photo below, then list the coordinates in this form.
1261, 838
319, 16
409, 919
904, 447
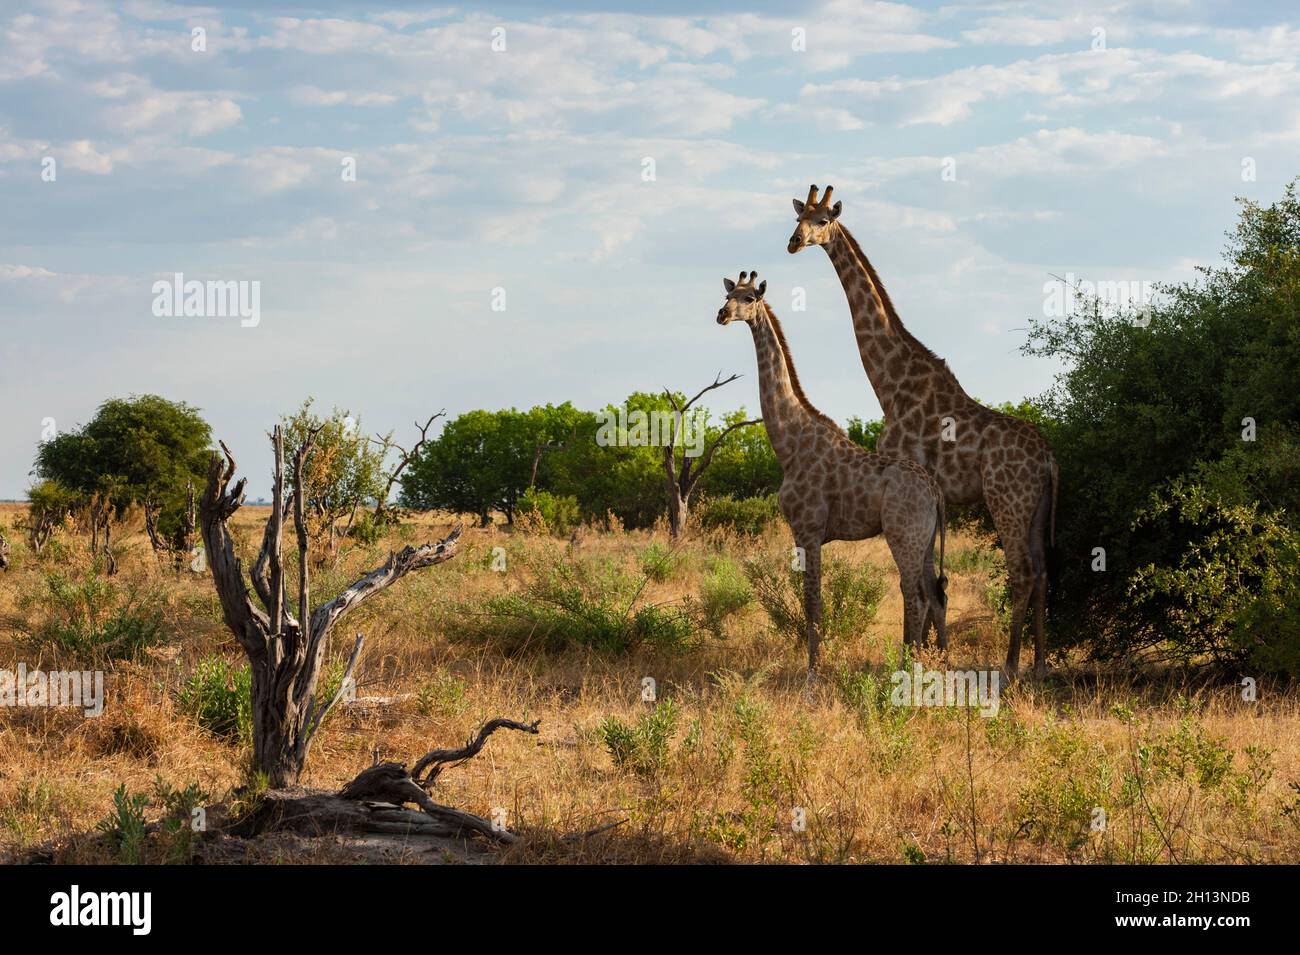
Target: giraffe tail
942, 514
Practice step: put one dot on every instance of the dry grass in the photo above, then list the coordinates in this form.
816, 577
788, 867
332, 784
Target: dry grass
1184, 771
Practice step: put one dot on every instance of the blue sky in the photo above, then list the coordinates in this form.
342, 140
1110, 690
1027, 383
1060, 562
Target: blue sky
522, 169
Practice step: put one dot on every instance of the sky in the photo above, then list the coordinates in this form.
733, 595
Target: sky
547, 196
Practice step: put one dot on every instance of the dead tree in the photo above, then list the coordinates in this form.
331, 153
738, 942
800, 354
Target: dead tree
286, 651
382, 509
681, 482
182, 539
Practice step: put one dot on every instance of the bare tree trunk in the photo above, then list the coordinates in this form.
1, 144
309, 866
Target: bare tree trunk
678, 511
682, 481
286, 651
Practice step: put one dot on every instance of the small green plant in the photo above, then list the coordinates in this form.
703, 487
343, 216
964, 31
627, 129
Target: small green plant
26, 814
92, 618
444, 694
850, 596
724, 593
123, 828
578, 603
661, 562
183, 818
644, 746
220, 698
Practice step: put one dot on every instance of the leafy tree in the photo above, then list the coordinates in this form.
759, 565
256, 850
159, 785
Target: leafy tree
483, 461
1203, 389
141, 450
49, 505
343, 472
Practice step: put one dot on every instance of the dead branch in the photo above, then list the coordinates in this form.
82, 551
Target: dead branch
391, 782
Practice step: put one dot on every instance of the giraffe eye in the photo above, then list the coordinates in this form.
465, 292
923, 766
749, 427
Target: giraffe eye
823, 221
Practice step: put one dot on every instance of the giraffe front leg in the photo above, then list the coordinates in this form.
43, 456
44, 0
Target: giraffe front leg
812, 601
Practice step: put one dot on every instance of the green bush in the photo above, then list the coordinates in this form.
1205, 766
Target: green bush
92, 618
746, 515
724, 593
850, 596
577, 603
558, 513
642, 747
220, 698
661, 562
1234, 594
1202, 389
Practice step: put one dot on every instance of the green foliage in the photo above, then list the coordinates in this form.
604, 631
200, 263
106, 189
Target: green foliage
724, 592
343, 472
219, 696
123, 828
482, 461
1139, 407
747, 515
557, 513
578, 603
180, 809
661, 562
136, 449
92, 618
643, 747
850, 596
865, 434
1234, 593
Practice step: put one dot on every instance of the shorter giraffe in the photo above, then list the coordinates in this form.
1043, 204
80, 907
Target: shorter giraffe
832, 489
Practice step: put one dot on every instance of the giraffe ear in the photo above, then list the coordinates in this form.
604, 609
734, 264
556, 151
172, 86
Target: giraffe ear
762, 287
798, 207
836, 210
728, 285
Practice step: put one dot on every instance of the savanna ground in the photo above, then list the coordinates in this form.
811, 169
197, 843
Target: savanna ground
733, 751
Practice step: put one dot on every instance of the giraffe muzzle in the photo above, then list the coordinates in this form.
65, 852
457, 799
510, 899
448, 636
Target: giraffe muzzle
794, 245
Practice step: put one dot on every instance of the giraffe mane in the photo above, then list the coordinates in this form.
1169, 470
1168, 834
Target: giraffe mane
797, 388
890, 312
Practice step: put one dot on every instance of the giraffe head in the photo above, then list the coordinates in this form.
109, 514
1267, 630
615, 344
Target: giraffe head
816, 220
744, 299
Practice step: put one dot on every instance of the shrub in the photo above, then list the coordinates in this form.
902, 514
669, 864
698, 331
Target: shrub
661, 562
1234, 594
724, 592
576, 603
556, 512
220, 698
642, 747
850, 596
123, 828
745, 515
1204, 391
92, 618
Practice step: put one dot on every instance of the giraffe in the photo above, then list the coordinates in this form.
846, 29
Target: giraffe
831, 489
974, 452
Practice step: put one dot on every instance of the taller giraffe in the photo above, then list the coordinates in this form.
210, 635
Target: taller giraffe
974, 452
831, 489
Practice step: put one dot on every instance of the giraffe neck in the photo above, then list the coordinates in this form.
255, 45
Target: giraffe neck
787, 413
887, 348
